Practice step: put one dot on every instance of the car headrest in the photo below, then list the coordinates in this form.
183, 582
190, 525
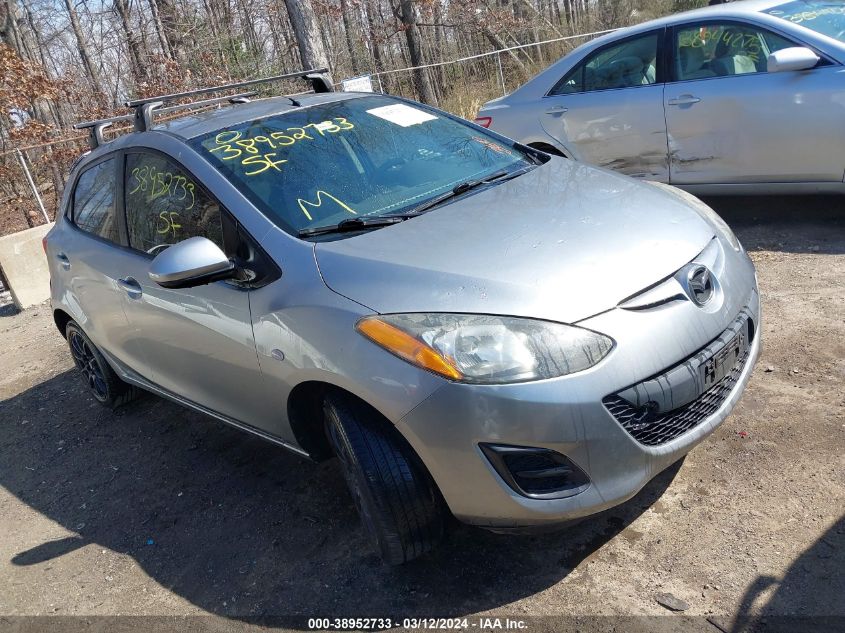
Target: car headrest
691, 58
628, 64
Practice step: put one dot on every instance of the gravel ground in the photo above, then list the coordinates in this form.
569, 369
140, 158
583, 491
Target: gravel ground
156, 510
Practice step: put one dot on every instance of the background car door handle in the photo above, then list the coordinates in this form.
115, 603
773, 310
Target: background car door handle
557, 110
63, 260
131, 287
684, 100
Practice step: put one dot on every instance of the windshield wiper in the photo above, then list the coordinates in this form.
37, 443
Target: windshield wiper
468, 185
363, 224
354, 224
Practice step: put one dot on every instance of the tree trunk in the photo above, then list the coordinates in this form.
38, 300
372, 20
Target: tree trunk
90, 69
159, 29
136, 54
169, 17
20, 40
347, 30
307, 31
422, 85
375, 44
498, 44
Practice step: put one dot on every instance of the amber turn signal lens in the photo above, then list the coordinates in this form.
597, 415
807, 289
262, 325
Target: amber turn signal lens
406, 347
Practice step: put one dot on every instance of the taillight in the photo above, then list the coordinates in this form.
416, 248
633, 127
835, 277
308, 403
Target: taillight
484, 121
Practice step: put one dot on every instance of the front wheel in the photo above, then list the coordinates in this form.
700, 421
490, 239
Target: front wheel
102, 382
398, 501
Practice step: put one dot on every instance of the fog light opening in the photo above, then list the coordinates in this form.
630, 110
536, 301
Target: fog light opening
538, 473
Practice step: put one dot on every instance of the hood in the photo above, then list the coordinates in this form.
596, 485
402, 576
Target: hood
563, 242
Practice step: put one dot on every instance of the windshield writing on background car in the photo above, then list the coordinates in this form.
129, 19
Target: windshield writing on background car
360, 157
827, 18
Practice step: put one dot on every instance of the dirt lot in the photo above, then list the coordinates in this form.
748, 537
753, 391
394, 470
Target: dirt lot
157, 510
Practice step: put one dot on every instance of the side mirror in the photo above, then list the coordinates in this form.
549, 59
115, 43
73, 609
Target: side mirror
796, 58
192, 262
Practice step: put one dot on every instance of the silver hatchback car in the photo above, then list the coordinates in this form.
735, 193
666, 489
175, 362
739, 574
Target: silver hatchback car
744, 97
473, 327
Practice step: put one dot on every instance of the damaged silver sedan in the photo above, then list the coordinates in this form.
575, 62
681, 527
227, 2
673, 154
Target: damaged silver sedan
746, 97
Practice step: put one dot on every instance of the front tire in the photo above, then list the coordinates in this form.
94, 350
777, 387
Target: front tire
101, 380
396, 498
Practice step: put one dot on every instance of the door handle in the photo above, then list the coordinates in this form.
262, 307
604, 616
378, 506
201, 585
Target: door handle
131, 287
63, 260
683, 100
558, 109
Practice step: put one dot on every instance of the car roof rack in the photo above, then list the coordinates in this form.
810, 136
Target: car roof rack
146, 108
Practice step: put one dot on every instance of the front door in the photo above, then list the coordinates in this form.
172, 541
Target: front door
196, 342
731, 121
608, 110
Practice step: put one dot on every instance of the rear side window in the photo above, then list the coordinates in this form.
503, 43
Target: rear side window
93, 201
631, 63
164, 205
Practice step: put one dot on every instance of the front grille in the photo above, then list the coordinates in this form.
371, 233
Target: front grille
655, 429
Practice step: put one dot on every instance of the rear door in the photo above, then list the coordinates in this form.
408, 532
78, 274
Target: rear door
87, 254
731, 121
197, 342
609, 108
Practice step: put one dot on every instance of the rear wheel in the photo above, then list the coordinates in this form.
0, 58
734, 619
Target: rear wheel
398, 501
101, 380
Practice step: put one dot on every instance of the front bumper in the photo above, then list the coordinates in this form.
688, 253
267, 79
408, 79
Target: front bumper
567, 415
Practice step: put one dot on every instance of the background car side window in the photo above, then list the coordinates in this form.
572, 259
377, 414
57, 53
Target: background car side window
165, 206
724, 49
93, 201
631, 63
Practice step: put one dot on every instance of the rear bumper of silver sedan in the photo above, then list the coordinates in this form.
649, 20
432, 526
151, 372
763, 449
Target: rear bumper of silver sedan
611, 451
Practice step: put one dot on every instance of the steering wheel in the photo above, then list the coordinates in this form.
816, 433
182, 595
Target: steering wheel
392, 163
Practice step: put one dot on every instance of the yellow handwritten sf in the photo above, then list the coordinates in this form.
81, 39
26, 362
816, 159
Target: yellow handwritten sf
320, 194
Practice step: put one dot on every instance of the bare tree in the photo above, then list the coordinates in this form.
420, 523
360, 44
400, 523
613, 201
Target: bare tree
82, 47
347, 30
137, 55
312, 53
407, 14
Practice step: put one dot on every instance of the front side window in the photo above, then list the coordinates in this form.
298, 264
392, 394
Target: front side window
93, 201
357, 158
825, 17
631, 63
717, 49
164, 205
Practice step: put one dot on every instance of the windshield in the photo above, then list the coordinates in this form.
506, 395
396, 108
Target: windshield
357, 158
827, 18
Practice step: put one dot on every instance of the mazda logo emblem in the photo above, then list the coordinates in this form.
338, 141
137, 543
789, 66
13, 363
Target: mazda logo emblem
700, 283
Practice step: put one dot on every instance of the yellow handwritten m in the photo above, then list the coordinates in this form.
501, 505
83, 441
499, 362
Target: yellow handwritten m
320, 195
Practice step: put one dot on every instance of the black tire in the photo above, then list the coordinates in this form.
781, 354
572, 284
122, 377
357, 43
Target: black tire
101, 380
399, 503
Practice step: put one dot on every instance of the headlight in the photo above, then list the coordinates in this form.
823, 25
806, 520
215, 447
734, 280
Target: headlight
484, 349
703, 210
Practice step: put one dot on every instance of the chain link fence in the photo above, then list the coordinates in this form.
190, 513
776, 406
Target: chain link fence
463, 85
32, 178
31, 182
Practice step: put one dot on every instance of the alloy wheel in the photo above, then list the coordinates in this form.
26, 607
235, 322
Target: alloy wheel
86, 361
